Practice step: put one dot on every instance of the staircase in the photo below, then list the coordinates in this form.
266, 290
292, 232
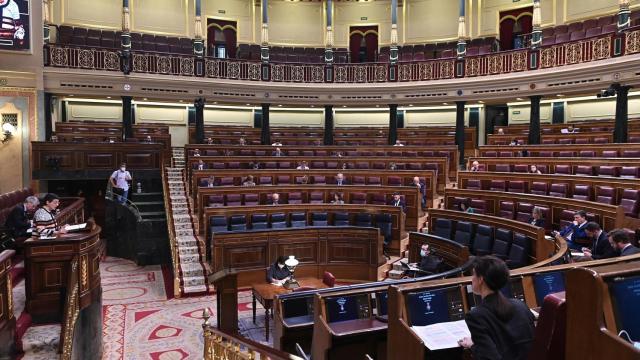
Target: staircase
190, 251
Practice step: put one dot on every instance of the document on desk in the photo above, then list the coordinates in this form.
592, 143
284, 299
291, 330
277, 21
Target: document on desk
442, 335
76, 227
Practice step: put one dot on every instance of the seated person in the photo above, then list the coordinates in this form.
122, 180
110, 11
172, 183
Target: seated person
249, 181
568, 130
534, 170
211, 181
201, 165
620, 242
337, 199
429, 263
513, 142
500, 131
536, 219
398, 201
278, 273
148, 139
45, 219
242, 141
398, 143
500, 328
601, 249
196, 152
209, 141
465, 207
303, 166
392, 166
275, 199
475, 166
574, 231
276, 143
340, 180
18, 221
278, 152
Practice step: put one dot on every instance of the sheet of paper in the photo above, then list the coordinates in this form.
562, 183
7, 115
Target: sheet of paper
442, 335
76, 227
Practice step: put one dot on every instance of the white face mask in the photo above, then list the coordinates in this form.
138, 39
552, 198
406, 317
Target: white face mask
281, 266
423, 253
123, 168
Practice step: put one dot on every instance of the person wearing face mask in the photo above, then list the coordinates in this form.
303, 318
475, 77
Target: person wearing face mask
429, 263
120, 182
500, 328
278, 273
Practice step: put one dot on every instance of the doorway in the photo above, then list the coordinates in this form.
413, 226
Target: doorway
363, 43
221, 38
515, 28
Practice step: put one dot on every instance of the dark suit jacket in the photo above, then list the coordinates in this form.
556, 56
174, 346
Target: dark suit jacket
17, 221
494, 339
578, 232
275, 273
630, 250
601, 249
401, 204
538, 223
344, 182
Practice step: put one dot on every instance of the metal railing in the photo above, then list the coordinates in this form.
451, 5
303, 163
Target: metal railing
110, 195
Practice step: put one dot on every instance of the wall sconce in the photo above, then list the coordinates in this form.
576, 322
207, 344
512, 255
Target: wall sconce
8, 130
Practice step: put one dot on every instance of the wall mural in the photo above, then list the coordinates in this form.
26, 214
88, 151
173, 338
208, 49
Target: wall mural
15, 32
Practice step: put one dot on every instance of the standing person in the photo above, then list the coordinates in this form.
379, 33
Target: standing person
500, 328
423, 191
120, 182
18, 220
45, 218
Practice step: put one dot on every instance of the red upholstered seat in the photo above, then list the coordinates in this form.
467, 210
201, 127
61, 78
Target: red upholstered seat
328, 279
630, 172
584, 170
582, 192
582, 141
358, 180
630, 202
378, 199
565, 141
226, 181
216, 200
521, 168
610, 153
550, 333
264, 180
559, 190
374, 180
358, 198
498, 185
566, 154
503, 168
234, 200
507, 210
605, 195
545, 153
251, 199
630, 153
563, 169
474, 184
394, 181
479, 206
316, 197
539, 188
587, 153
608, 171
295, 197
600, 140
283, 179
517, 186
524, 212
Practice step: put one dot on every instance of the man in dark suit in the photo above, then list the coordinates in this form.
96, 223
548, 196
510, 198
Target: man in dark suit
397, 201
423, 191
619, 240
574, 231
18, 219
340, 180
601, 249
275, 199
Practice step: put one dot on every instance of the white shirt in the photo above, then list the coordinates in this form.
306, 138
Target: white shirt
301, 167
10, 13
121, 178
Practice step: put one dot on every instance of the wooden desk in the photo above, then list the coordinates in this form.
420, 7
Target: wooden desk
265, 293
346, 328
7, 320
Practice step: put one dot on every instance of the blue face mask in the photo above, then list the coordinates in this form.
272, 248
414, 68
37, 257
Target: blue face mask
423, 253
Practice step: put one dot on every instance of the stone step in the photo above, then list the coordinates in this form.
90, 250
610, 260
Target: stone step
192, 281
194, 289
41, 338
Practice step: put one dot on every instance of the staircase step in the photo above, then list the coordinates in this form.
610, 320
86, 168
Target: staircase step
41, 338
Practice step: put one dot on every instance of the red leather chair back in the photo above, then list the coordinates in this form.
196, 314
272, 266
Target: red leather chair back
549, 338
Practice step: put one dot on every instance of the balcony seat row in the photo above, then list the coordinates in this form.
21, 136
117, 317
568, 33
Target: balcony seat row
292, 198
584, 170
315, 179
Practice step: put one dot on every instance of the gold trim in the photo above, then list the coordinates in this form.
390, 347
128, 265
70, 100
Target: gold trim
363, 33
516, 18
237, 27
222, 28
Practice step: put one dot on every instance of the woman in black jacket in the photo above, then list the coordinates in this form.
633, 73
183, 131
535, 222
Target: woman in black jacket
537, 219
501, 328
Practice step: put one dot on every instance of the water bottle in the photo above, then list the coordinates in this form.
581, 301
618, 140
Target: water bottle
139, 188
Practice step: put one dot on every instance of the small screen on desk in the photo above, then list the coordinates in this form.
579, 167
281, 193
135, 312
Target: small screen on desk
381, 303
434, 306
299, 306
343, 308
625, 297
547, 283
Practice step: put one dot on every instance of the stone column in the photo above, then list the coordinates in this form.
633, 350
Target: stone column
265, 133
624, 15
328, 41
199, 105
127, 118
393, 124
46, 17
461, 50
198, 43
125, 38
393, 51
264, 47
536, 33
621, 130
534, 120
328, 125
460, 130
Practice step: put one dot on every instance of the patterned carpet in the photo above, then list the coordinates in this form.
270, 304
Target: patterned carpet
141, 323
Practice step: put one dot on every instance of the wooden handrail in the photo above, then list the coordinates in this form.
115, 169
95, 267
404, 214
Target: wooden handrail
71, 310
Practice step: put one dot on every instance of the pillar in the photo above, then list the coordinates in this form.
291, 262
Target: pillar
624, 15
264, 47
461, 50
393, 50
328, 125
536, 33
460, 130
393, 124
48, 111
620, 132
127, 122
199, 105
125, 38
534, 120
328, 41
198, 43
265, 131
46, 17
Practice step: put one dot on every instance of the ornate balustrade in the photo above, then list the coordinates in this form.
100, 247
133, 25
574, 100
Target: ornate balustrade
599, 47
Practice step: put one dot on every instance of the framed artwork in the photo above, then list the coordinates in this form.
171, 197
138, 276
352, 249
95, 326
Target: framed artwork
15, 25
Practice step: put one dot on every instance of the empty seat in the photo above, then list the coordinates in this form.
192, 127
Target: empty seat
443, 228
234, 200
503, 168
283, 179
357, 180
517, 187
218, 224
295, 197
521, 168
378, 199
316, 197
358, 198
363, 220
605, 195
587, 153
545, 153
251, 199
631, 153
464, 233
582, 192
264, 180
216, 200
559, 190
478, 206
374, 180
483, 241
550, 333
610, 153
524, 212
298, 219
259, 221
519, 252
341, 219
502, 243
319, 180
584, 170
539, 188
278, 221
630, 172
608, 171
630, 202
497, 185
394, 181
238, 223
474, 184
566, 153
563, 169
507, 210
226, 181
319, 219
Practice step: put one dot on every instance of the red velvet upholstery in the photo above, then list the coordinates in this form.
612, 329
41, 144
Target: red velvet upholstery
507, 210
605, 195
550, 333
328, 279
559, 190
582, 192
539, 188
